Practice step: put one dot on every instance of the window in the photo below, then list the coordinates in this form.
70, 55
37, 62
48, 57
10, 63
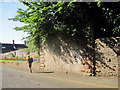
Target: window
3, 47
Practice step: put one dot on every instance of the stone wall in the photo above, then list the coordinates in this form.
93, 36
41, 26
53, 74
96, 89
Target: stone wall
106, 58
20, 54
61, 55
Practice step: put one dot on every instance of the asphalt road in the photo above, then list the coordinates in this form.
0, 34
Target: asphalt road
17, 77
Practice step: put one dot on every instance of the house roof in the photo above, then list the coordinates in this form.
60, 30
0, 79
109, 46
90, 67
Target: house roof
20, 46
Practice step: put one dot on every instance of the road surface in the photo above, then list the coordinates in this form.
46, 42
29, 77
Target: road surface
19, 77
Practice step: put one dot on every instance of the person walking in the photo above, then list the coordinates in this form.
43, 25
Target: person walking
30, 61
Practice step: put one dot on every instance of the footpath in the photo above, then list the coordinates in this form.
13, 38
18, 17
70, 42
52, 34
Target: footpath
98, 82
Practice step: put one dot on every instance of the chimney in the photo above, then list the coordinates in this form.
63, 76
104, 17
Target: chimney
13, 42
25, 42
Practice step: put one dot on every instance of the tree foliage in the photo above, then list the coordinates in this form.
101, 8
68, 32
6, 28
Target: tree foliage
48, 18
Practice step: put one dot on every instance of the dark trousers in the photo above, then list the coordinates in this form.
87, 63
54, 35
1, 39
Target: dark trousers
30, 64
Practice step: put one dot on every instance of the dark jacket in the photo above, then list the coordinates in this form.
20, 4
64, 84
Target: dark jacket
30, 60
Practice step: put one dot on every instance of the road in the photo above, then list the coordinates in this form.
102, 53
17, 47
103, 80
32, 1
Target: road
19, 77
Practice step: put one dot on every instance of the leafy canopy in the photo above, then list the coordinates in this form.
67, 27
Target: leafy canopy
45, 19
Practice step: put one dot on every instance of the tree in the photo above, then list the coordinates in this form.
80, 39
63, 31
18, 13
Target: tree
71, 18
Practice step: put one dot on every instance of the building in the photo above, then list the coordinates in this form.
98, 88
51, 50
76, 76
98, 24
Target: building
6, 47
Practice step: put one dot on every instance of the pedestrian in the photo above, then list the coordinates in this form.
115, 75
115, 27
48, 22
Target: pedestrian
30, 61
